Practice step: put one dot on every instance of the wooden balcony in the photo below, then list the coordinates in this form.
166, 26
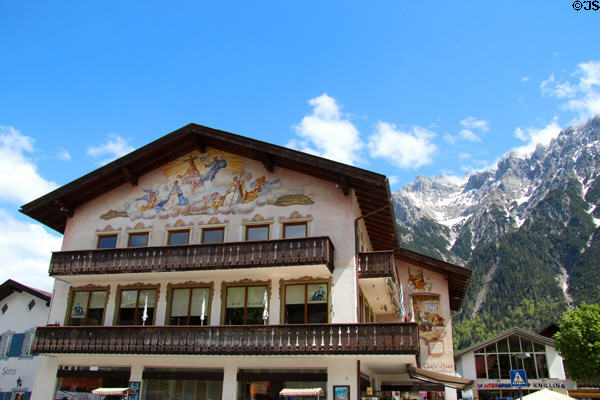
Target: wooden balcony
377, 264
397, 338
283, 252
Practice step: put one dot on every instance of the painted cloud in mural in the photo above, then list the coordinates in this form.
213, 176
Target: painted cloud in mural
208, 183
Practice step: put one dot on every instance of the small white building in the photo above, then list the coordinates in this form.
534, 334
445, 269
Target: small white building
489, 364
22, 309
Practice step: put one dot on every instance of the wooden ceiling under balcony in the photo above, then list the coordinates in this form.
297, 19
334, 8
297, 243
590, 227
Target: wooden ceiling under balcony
371, 189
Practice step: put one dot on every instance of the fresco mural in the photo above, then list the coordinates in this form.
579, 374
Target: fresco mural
426, 309
417, 280
214, 182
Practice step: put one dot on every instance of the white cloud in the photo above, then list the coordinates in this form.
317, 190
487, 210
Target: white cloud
26, 249
449, 139
20, 181
451, 177
464, 156
64, 155
469, 135
411, 149
112, 149
583, 96
327, 133
534, 136
474, 123
525, 79
393, 179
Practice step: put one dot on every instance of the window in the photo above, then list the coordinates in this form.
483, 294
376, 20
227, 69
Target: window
213, 235
107, 241
138, 239
245, 305
497, 359
295, 230
189, 305
5, 345
180, 237
306, 303
87, 307
257, 232
27, 343
136, 306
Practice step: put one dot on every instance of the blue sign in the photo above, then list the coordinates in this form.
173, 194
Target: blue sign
504, 398
518, 377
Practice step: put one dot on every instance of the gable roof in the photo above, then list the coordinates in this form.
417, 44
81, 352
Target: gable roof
514, 331
9, 287
372, 189
458, 277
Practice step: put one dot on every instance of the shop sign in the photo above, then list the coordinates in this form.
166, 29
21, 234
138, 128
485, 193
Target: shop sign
535, 384
369, 390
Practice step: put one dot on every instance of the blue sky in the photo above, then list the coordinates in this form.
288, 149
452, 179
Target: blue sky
401, 88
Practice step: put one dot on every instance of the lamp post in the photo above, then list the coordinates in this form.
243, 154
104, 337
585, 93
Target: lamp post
522, 356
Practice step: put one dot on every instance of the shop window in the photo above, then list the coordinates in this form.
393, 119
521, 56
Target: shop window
244, 305
107, 241
137, 305
480, 366
213, 235
138, 239
180, 237
181, 384
504, 362
542, 366
188, 305
306, 303
87, 307
295, 230
492, 365
257, 232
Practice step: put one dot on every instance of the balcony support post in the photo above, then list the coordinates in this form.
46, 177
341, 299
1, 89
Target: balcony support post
229, 382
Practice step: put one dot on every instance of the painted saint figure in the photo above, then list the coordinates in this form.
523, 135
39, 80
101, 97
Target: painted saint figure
175, 197
214, 166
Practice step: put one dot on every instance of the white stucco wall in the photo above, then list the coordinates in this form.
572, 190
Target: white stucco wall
18, 319
555, 363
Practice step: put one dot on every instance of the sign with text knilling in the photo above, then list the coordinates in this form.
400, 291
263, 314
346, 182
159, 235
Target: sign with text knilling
548, 383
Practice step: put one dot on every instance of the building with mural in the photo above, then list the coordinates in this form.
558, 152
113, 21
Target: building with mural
489, 364
22, 309
207, 265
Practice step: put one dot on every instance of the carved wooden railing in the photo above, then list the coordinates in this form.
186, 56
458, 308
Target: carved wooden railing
377, 264
389, 338
301, 251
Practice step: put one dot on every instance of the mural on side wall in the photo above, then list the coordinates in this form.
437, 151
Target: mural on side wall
426, 309
417, 280
213, 182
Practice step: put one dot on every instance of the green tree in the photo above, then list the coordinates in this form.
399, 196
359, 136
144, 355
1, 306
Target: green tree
578, 342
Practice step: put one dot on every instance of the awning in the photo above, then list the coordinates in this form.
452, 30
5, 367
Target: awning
110, 391
455, 382
302, 392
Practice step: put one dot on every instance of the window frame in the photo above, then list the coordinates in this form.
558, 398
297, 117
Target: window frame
177, 230
212, 228
5, 342
284, 225
139, 288
246, 285
27, 343
295, 221
261, 224
190, 286
89, 289
100, 235
305, 283
137, 233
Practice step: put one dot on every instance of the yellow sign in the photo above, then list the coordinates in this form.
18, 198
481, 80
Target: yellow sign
369, 390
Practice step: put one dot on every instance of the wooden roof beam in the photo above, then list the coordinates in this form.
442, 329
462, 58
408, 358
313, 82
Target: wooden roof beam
199, 143
344, 185
63, 208
267, 162
129, 176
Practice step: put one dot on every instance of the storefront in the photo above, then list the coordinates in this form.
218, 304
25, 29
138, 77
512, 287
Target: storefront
267, 384
78, 382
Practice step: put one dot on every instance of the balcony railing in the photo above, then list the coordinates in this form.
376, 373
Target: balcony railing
377, 264
301, 251
397, 338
